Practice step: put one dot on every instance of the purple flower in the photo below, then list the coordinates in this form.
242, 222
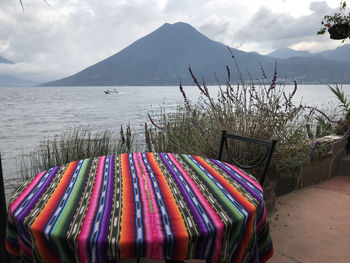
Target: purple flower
314, 148
187, 103
197, 126
154, 124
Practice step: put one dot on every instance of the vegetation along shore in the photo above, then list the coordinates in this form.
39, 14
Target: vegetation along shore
264, 110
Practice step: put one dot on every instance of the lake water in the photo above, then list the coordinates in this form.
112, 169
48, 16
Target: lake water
28, 114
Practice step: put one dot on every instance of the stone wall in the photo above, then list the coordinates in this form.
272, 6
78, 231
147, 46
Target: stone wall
327, 164
324, 164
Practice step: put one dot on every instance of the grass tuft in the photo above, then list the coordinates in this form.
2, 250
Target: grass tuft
71, 146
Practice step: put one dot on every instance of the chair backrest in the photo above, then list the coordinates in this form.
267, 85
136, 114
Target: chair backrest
266, 158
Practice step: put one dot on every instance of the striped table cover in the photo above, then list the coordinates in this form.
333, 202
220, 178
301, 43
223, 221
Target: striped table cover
139, 205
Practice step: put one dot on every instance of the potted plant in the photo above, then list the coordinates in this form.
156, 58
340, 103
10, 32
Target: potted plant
338, 25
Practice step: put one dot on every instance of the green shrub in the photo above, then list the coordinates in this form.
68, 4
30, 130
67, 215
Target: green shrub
344, 104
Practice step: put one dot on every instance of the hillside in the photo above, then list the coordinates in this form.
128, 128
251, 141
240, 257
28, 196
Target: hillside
163, 56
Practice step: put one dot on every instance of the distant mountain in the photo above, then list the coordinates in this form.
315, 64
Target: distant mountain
288, 52
341, 53
314, 70
160, 58
10, 81
163, 57
5, 61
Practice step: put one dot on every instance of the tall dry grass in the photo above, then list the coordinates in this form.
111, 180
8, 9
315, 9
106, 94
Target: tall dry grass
255, 108
74, 145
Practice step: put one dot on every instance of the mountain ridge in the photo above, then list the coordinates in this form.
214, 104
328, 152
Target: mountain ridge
341, 53
10, 81
163, 56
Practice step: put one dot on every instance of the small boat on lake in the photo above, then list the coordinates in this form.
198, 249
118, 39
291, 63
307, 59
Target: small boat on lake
109, 91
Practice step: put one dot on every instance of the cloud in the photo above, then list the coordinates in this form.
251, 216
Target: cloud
67, 36
216, 19
216, 27
276, 30
53, 41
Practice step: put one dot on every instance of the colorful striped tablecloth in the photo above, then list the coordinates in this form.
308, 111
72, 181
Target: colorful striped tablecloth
139, 205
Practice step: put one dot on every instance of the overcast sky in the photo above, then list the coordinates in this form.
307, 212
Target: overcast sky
54, 40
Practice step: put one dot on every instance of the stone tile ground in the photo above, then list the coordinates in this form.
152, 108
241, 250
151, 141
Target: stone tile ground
313, 224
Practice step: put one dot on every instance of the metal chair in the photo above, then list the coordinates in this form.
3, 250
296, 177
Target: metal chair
270, 145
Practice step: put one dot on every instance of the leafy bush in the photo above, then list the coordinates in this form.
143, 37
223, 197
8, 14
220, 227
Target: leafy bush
344, 104
336, 121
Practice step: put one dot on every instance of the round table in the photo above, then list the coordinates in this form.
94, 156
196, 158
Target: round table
139, 205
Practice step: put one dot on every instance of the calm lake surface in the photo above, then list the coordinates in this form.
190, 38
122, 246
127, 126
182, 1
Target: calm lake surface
29, 114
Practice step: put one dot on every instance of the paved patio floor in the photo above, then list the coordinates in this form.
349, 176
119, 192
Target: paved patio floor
313, 224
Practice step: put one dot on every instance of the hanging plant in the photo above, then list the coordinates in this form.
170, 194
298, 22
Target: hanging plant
339, 31
338, 25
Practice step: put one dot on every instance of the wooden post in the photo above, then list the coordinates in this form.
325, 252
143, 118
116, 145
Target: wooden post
3, 218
